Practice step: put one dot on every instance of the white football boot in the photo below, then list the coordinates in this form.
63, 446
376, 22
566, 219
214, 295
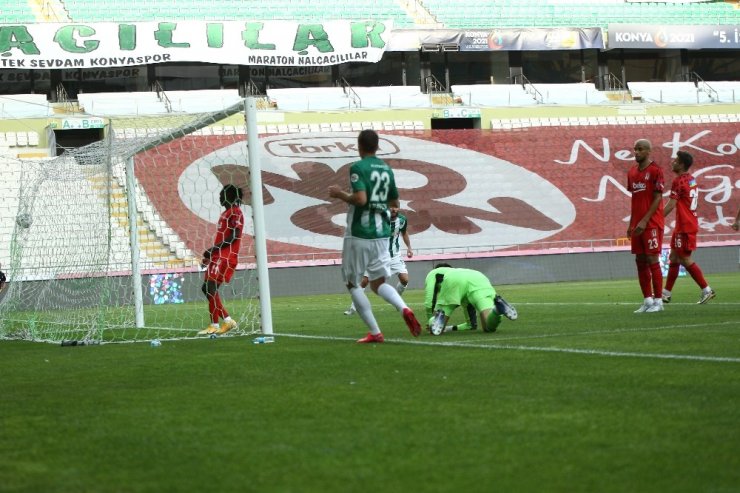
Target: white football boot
657, 306
645, 305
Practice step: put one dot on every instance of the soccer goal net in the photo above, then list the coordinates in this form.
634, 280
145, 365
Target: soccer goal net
106, 240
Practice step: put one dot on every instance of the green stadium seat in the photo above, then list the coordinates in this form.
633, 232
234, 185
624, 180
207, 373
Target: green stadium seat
534, 13
88, 10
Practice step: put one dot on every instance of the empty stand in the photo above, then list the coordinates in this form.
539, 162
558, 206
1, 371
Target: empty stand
16, 13
575, 13
310, 99
726, 91
15, 106
598, 121
391, 97
315, 10
576, 93
203, 100
415, 126
668, 92
116, 104
493, 95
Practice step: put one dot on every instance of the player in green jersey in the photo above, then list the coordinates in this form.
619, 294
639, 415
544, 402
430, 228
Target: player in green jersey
365, 247
399, 231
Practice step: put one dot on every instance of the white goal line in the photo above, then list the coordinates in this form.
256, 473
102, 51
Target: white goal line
590, 352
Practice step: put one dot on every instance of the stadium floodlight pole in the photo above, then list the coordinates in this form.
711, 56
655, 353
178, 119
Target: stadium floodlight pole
258, 215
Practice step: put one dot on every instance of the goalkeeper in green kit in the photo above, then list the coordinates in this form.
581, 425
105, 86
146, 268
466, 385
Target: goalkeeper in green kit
446, 288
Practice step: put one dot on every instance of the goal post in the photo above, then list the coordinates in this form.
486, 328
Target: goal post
112, 247
258, 215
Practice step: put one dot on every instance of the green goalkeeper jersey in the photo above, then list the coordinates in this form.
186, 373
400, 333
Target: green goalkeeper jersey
456, 288
372, 220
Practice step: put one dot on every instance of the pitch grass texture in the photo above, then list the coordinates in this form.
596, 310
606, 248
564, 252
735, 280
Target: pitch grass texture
578, 395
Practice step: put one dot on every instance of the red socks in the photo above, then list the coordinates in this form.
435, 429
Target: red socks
650, 278
697, 275
657, 275
643, 276
216, 308
673, 269
694, 271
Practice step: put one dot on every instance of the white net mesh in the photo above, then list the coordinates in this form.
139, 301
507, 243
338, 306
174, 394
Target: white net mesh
69, 261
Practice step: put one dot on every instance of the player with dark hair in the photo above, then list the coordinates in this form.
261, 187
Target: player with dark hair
447, 288
365, 248
221, 259
645, 183
685, 199
2, 279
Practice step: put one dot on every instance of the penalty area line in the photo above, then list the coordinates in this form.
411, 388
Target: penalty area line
544, 349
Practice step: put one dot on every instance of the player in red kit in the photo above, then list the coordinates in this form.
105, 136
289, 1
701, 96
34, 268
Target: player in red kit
221, 259
645, 182
684, 198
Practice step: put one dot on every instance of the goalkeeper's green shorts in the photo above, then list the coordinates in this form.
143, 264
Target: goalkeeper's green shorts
481, 299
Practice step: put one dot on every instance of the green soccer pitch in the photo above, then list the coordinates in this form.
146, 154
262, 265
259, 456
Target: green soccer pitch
578, 395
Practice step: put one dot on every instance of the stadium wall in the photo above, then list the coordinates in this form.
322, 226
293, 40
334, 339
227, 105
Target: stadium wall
327, 279
525, 269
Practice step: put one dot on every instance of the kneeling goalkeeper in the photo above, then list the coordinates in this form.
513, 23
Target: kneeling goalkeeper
446, 288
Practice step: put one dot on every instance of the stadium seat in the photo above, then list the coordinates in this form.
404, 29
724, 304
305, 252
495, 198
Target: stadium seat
727, 91
576, 13
15, 106
121, 104
201, 101
493, 95
309, 99
668, 92
573, 93
317, 10
392, 96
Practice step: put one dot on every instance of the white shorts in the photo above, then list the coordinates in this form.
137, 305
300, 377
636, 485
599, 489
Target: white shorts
365, 257
398, 266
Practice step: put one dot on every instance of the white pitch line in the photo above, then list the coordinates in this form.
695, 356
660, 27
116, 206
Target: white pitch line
617, 331
605, 303
596, 352
591, 352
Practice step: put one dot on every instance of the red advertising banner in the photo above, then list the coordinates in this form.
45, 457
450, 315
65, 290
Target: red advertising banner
464, 191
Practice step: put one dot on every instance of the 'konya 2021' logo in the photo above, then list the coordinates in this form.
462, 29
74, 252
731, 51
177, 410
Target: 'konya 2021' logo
453, 198
495, 40
661, 39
